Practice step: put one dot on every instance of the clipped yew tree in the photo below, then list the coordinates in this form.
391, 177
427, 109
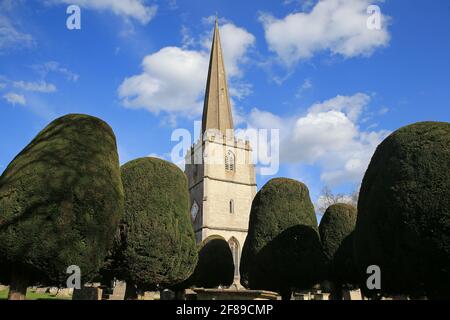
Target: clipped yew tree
403, 222
157, 246
215, 265
282, 250
336, 233
61, 199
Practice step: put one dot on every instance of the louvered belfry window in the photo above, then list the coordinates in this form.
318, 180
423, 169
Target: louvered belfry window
229, 161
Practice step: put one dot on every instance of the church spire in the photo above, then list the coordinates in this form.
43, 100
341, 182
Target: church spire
217, 106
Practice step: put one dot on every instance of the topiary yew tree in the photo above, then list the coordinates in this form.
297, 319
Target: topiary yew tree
215, 265
403, 222
335, 229
61, 199
282, 250
157, 244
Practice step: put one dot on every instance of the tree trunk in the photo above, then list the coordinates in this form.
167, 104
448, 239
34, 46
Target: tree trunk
18, 285
336, 291
286, 294
131, 292
180, 294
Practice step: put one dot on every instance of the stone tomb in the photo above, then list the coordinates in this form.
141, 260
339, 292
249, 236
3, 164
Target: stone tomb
227, 294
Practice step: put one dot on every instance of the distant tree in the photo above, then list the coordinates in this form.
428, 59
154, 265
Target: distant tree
328, 198
403, 222
336, 228
215, 265
156, 244
61, 199
282, 251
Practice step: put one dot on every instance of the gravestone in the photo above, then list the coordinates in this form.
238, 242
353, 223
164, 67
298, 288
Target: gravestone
87, 293
151, 295
321, 296
53, 291
302, 296
229, 294
352, 295
118, 291
65, 292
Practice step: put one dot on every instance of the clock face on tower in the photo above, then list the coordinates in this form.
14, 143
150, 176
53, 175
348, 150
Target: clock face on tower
194, 210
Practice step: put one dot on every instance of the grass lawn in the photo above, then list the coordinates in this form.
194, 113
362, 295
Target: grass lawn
32, 295
3, 294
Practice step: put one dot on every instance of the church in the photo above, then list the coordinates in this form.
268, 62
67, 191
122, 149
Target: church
219, 167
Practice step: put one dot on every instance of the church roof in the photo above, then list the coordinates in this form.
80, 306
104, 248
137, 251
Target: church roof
217, 107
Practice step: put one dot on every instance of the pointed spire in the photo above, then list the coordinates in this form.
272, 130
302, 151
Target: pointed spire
217, 106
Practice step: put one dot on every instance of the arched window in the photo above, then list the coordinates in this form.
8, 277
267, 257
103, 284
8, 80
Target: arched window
229, 161
234, 247
231, 206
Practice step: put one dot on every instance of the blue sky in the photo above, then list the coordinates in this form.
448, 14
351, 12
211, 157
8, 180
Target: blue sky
313, 69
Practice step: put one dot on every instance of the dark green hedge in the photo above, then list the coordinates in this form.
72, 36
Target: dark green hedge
337, 223
343, 271
157, 245
403, 222
215, 265
61, 199
336, 233
282, 250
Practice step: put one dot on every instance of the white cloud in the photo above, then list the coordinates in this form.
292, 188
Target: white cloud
210, 20
352, 161
40, 86
136, 9
240, 90
14, 98
303, 4
235, 44
328, 135
53, 66
172, 4
383, 111
11, 37
188, 40
336, 26
174, 79
306, 85
318, 134
265, 120
352, 106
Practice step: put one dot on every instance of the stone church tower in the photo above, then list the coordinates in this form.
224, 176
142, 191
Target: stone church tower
219, 167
